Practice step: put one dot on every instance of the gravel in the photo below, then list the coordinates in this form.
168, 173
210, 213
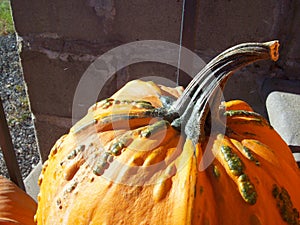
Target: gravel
16, 107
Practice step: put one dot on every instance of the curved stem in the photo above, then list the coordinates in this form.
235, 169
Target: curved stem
192, 106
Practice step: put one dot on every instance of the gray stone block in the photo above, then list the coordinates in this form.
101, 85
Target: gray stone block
284, 110
31, 182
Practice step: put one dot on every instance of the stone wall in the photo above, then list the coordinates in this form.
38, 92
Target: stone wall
62, 38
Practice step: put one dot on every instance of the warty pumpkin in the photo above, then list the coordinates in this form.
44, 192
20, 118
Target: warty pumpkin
153, 155
16, 207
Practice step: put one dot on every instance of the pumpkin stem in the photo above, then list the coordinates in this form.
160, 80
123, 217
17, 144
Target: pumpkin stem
193, 105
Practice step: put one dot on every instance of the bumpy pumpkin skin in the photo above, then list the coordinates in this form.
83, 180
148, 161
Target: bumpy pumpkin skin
253, 178
134, 201
16, 207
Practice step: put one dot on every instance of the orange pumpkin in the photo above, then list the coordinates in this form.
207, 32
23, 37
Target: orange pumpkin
16, 207
140, 157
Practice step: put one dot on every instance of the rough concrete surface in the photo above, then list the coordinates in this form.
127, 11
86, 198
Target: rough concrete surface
31, 184
284, 110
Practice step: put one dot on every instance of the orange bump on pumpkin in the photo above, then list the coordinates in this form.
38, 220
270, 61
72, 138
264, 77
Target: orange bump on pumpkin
141, 160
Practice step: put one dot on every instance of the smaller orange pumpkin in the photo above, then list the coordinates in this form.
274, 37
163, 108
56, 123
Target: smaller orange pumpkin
16, 207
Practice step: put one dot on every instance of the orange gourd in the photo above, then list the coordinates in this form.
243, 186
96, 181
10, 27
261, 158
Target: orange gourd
140, 157
16, 207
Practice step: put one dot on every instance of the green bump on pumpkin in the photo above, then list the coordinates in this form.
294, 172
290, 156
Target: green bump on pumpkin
143, 105
241, 113
256, 117
105, 103
236, 166
116, 101
116, 148
125, 101
234, 162
247, 189
285, 206
75, 152
100, 167
250, 156
216, 171
139, 104
98, 170
105, 156
154, 128
72, 155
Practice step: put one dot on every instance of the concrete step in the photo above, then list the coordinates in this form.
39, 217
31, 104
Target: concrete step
283, 107
31, 182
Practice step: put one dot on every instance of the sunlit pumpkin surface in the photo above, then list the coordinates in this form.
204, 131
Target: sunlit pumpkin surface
121, 164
